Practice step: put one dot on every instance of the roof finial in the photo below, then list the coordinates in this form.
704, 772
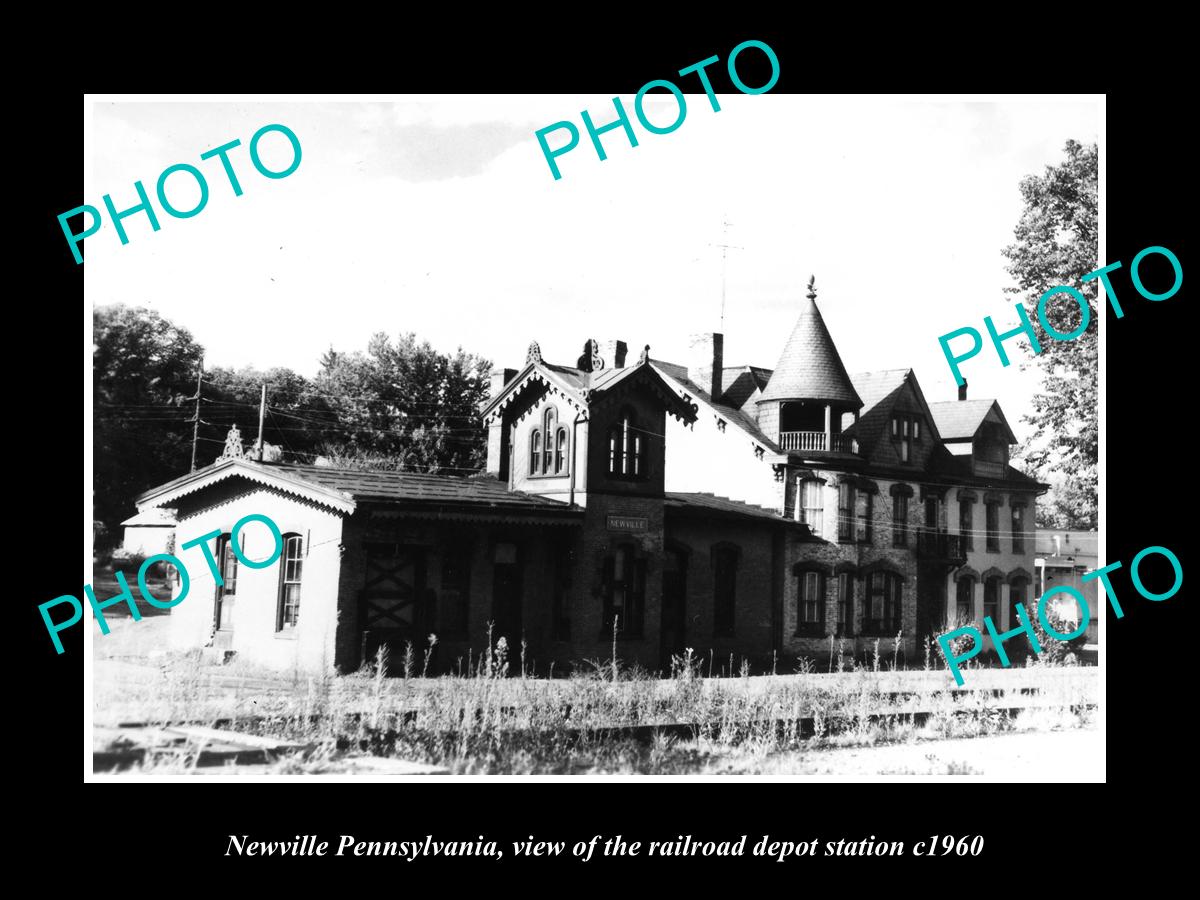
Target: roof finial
233, 445
812, 288
534, 354
645, 356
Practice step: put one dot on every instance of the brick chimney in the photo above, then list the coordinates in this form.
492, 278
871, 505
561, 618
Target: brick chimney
497, 458
962, 390
706, 360
615, 351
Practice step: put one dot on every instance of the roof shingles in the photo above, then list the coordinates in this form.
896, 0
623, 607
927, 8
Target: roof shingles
809, 367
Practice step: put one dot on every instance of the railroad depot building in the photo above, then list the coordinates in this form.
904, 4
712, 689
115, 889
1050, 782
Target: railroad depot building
738, 510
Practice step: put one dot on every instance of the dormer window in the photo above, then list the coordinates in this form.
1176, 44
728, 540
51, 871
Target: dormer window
906, 430
548, 446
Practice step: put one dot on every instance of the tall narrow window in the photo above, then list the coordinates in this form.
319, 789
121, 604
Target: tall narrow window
725, 561
229, 566
547, 454
966, 521
624, 591
1016, 595
991, 599
882, 613
845, 605
810, 600
810, 505
866, 512
966, 601
625, 448
899, 520
993, 527
535, 452
1018, 528
560, 452
845, 512
291, 565
226, 593
905, 441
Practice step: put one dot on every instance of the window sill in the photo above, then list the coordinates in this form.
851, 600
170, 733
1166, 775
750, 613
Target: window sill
551, 476
289, 635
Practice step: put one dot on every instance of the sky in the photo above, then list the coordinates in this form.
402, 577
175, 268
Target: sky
440, 216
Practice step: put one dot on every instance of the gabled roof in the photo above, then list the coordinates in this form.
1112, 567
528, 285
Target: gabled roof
342, 489
873, 387
260, 473
153, 518
809, 367
959, 420
582, 389
678, 374
741, 382
879, 391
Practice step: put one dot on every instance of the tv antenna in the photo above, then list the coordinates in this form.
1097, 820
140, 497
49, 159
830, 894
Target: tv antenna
725, 247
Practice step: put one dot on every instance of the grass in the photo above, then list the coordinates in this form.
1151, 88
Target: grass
606, 718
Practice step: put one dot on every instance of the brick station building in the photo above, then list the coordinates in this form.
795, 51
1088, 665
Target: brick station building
765, 513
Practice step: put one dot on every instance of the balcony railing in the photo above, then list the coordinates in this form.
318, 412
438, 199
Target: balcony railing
942, 545
815, 440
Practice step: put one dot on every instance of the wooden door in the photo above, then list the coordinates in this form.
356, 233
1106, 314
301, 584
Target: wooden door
391, 604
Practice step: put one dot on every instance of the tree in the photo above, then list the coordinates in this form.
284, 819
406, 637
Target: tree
1057, 245
299, 417
143, 374
407, 404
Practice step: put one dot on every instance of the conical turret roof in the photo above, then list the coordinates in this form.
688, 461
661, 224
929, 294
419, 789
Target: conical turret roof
809, 367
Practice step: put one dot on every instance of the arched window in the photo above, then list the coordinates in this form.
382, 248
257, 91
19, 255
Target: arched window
625, 447
535, 452
291, 567
560, 451
549, 432
548, 446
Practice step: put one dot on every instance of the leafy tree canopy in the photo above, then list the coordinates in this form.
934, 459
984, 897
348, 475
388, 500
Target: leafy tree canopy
1056, 245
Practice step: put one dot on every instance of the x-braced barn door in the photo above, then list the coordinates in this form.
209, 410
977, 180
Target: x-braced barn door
391, 605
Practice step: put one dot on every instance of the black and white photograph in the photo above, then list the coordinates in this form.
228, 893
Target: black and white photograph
455, 437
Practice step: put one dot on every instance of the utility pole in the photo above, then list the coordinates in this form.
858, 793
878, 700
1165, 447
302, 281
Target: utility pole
262, 408
725, 248
196, 420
